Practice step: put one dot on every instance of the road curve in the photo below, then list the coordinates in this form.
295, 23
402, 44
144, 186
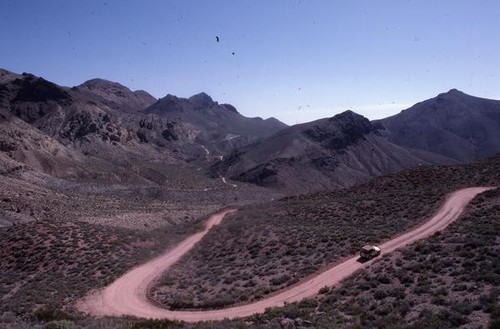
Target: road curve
128, 294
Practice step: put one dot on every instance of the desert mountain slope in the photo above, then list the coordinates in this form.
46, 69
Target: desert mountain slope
107, 132
23, 148
216, 126
453, 124
116, 95
111, 133
328, 153
62, 132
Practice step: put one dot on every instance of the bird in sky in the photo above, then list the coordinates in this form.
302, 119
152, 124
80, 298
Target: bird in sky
217, 38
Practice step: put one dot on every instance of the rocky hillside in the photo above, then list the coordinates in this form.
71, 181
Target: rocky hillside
115, 95
453, 124
328, 153
217, 127
103, 131
347, 149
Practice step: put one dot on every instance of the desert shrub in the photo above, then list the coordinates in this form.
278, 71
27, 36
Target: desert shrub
280, 280
417, 283
51, 314
61, 324
156, 324
464, 308
324, 290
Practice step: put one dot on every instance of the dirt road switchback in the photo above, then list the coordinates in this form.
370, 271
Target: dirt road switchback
128, 294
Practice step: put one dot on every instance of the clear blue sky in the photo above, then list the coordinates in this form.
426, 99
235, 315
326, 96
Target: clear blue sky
297, 60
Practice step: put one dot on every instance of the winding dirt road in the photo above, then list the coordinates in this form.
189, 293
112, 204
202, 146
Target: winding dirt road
128, 294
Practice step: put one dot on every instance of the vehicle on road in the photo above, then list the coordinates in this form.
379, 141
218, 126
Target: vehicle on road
369, 252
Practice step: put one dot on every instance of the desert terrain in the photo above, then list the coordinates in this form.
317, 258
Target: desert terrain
112, 208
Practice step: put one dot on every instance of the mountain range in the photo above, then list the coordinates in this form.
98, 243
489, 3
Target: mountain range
101, 131
347, 148
325, 154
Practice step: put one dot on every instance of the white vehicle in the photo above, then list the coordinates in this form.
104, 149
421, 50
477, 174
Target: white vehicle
369, 252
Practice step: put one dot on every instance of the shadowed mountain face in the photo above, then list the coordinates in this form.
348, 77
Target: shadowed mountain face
453, 124
217, 127
103, 131
328, 153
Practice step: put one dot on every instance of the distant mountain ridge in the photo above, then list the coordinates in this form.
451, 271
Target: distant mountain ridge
324, 154
102, 130
348, 149
453, 124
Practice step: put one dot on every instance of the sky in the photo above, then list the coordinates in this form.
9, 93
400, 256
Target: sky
296, 60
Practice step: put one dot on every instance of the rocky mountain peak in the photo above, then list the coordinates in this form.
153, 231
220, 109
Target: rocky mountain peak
34, 89
349, 121
201, 100
349, 116
117, 94
107, 86
452, 94
142, 93
275, 121
168, 103
170, 98
340, 131
454, 124
454, 91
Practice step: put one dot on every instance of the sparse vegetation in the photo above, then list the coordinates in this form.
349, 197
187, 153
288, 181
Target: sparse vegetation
128, 207
267, 247
71, 238
446, 281
64, 239
51, 264
96, 179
